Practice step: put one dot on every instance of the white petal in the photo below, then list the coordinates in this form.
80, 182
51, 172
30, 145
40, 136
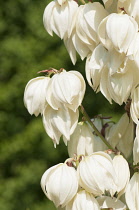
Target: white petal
47, 17
60, 19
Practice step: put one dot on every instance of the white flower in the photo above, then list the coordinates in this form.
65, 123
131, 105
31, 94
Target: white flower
60, 122
132, 193
93, 170
134, 109
88, 19
121, 135
66, 88
112, 203
60, 184
94, 65
35, 95
119, 77
58, 17
83, 200
122, 173
84, 142
131, 7
117, 30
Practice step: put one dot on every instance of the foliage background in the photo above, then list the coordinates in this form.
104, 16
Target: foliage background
25, 149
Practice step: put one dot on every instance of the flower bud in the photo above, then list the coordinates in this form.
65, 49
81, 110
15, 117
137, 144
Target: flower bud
66, 88
132, 193
60, 184
122, 173
58, 17
106, 202
93, 170
35, 95
60, 122
83, 200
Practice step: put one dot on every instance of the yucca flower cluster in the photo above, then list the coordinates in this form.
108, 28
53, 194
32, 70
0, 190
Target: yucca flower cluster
102, 171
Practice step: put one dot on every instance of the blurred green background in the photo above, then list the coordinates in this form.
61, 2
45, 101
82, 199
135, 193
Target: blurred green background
25, 149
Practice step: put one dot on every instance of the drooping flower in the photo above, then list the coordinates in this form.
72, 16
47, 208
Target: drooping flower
93, 170
66, 88
35, 95
88, 19
111, 35
118, 77
83, 200
60, 184
58, 17
132, 192
60, 122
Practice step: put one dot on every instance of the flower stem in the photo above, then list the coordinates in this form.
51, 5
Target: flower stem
87, 118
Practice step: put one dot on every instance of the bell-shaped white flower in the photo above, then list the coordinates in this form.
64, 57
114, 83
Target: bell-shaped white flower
136, 147
117, 30
134, 109
66, 88
106, 202
35, 95
132, 193
117, 78
122, 173
83, 200
121, 135
60, 184
84, 142
131, 7
88, 19
94, 64
93, 170
60, 122
58, 17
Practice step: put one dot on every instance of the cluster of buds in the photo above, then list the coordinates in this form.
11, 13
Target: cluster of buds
107, 35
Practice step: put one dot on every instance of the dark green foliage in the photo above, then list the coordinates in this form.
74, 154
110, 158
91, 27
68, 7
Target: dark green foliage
25, 149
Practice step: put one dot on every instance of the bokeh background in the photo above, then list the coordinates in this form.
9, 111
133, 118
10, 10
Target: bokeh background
25, 149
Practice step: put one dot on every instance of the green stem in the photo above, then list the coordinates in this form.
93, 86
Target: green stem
87, 118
